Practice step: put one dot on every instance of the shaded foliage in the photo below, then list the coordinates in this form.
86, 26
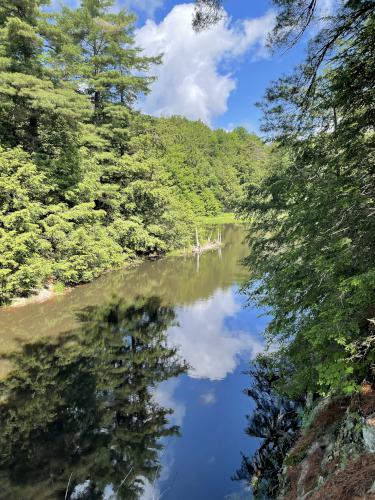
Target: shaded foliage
314, 222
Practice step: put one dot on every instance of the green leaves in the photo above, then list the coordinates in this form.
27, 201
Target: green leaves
23, 264
85, 182
313, 234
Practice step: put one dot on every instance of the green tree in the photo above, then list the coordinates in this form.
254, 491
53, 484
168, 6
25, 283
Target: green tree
107, 60
314, 247
24, 252
37, 111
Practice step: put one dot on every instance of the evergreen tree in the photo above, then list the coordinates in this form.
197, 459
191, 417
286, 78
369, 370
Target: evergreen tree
107, 62
37, 112
314, 252
23, 190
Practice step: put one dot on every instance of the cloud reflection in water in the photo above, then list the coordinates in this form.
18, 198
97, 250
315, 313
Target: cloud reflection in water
213, 350
209, 347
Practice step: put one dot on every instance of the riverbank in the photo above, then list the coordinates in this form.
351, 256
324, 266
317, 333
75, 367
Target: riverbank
334, 457
42, 295
174, 280
222, 218
54, 289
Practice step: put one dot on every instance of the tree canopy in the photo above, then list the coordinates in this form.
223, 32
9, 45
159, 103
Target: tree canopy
88, 182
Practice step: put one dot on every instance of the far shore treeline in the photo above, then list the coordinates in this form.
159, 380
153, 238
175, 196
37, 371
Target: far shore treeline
87, 182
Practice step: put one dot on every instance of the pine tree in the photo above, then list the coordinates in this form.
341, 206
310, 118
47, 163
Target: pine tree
108, 65
37, 111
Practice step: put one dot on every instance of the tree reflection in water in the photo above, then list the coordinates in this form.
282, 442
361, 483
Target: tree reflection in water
81, 411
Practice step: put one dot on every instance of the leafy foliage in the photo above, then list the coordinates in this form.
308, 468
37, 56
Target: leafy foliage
24, 252
88, 183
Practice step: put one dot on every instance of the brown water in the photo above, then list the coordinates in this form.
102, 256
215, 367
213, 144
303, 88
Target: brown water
96, 384
175, 280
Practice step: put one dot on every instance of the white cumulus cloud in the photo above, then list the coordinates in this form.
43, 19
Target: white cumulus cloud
190, 81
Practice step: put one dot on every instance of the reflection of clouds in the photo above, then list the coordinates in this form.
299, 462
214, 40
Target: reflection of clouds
209, 347
150, 491
208, 398
163, 395
154, 490
108, 493
80, 490
212, 350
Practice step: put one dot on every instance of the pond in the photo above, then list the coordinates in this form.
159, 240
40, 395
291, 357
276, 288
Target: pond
131, 386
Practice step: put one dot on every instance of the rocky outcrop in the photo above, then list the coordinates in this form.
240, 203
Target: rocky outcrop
334, 458
368, 433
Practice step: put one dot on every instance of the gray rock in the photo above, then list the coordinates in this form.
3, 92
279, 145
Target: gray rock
368, 433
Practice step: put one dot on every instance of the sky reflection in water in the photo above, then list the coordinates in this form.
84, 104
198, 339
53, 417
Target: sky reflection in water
217, 337
80, 376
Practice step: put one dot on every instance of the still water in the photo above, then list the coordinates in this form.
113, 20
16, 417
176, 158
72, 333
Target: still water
131, 386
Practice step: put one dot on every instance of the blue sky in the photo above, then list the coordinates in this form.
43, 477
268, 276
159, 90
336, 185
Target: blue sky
233, 76
251, 69
216, 76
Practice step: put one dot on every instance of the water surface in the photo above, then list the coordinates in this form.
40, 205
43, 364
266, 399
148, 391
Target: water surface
131, 386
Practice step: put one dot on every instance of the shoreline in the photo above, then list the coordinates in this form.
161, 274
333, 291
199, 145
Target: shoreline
48, 293
210, 245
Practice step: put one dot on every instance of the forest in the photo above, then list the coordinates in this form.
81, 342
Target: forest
87, 183
312, 248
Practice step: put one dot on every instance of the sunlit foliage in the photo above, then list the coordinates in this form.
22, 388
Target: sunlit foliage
87, 182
